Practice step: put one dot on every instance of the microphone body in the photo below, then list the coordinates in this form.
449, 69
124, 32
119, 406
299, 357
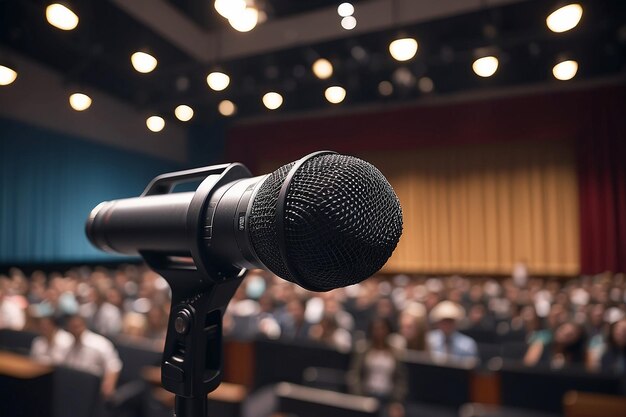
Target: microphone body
323, 222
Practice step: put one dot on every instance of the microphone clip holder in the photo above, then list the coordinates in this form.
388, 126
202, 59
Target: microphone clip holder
202, 287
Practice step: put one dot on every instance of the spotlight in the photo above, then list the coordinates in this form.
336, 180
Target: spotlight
80, 101
218, 81
155, 123
385, 88
183, 113
245, 20
227, 108
485, 66
335, 94
61, 17
403, 49
7, 75
272, 100
345, 9
348, 22
143, 62
229, 8
565, 70
565, 18
322, 68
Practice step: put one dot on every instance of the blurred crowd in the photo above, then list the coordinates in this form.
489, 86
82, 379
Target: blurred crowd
561, 322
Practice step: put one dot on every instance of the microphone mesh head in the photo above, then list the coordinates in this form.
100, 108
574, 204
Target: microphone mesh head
342, 222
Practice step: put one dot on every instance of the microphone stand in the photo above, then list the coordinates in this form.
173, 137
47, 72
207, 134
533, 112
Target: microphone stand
191, 365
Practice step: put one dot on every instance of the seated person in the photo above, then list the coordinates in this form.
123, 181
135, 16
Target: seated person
53, 344
614, 358
93, 353
567, 348
445, 342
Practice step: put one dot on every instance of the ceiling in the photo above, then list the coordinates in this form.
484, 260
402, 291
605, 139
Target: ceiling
96, 54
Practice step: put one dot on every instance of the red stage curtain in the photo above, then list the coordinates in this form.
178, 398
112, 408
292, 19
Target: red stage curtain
602, 183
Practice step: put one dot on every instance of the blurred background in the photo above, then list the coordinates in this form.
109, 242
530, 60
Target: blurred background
499, 123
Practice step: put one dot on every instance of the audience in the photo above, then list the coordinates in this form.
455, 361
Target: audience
575, 322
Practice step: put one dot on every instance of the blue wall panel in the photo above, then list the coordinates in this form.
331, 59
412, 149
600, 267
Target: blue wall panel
50, 181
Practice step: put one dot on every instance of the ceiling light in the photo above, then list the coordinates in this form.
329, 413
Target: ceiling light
425, 85
272, 100
61, 17
80, 101
322, 68
564, 18
155, 123
335, 94
7, 75
227, 108
245, 20
218, 81
403, 49
183, 113
348, 22
385, 88
565, 70
345, 9
143, 62
485, 66
229, 8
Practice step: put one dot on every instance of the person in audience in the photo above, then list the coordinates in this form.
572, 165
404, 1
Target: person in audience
103, 317
11, 315
567, 348
376, 369
614, 358
328, 332
445, 342
93, 353
294, 326
412, 329
53, 344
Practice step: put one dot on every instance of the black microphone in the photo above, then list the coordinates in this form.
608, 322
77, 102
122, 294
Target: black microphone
323, 222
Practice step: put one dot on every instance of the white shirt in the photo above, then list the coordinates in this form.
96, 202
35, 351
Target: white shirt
55, 353
11, 315
380, 366
94, 354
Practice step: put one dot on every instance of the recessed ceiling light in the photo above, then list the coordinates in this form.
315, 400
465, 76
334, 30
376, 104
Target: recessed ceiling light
348, 22
272, 100
227, 108
345, 9
322, 68
403, 49
485, 66
7, 75
335, 94
155, 123
245, 20
218, 81
143, 62
565, 70
183, 113
80, 101
61, 17
565, 18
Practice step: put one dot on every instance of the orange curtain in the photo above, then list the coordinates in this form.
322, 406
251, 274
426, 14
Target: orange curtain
480, 209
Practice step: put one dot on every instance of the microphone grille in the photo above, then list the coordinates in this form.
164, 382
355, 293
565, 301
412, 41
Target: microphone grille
342, 221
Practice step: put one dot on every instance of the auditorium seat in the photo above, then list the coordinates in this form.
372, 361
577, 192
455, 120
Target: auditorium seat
17, 341
134, 358
543, 389
436, 389
285, 361
488, 351
514, 350
75, 393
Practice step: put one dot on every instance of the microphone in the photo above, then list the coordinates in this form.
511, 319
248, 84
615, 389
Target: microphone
322, 222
